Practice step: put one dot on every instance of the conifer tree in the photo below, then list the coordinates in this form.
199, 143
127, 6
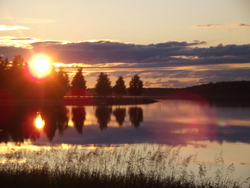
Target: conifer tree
103, 85
119, 88
78, 80
78, 83
135, 86
62, 82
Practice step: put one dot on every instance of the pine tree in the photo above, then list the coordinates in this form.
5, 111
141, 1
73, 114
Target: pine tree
78, 83
135, 86
103, 85
78, 80
119, 88
18, 61
62, 82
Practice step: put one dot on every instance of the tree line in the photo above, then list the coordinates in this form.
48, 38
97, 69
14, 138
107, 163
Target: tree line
15, 80
103, 86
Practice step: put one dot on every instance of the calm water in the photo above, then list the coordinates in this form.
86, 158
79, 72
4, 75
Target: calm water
197, 127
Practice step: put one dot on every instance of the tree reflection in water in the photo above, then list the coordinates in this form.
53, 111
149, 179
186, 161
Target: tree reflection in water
119, 114
22, 126
55, 117
135, 116
103, 114
79, 116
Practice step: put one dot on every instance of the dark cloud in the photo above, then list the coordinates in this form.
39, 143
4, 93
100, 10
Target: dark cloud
10, 52
108, 52
166, 54
42, 44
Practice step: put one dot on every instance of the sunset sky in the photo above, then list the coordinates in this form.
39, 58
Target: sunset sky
168, 43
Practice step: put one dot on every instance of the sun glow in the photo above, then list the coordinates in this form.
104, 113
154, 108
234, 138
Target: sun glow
39, 122
40, 66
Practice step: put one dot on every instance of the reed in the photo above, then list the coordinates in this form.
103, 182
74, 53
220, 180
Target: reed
127, 166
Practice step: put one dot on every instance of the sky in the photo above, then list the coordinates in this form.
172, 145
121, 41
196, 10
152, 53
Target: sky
168, 43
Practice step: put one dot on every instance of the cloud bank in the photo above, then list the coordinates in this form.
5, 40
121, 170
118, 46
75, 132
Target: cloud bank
172, 63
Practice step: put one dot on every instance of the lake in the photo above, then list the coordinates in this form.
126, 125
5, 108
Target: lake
198, 128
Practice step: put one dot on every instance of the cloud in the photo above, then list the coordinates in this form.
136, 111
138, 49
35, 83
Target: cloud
179, 63
206, 26
127, 55
166, 54
26, 42
8, 28
19, 42
242, 25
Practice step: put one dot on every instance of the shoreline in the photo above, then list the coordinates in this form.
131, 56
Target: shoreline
128, 100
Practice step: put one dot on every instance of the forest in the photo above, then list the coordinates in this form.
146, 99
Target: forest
230, 91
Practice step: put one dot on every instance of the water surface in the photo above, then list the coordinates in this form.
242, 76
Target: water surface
201, 128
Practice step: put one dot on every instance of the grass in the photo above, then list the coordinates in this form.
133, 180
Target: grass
120, 167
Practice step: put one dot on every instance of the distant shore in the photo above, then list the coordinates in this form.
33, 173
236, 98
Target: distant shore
237, 92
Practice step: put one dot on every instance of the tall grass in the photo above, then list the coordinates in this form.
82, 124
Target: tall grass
127, 166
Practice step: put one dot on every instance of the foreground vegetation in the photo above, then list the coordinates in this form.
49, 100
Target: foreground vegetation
111, 167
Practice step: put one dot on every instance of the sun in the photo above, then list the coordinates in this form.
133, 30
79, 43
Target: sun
40, 66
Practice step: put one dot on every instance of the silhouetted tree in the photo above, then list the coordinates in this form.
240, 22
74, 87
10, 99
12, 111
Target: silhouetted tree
103, 114
16, 77
135, 86
78, 83
135, 116
119, 114
120, 88
18, 61
4, 64
79, 116
62, 82
103, 85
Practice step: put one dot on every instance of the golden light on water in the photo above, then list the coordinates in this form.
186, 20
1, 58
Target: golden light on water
39, 122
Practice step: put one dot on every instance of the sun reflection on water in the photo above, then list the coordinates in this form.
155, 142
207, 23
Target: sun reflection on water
39, 122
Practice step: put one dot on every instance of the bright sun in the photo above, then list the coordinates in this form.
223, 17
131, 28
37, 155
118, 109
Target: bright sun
40, 65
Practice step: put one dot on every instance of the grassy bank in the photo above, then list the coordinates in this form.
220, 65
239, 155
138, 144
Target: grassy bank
110, 167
